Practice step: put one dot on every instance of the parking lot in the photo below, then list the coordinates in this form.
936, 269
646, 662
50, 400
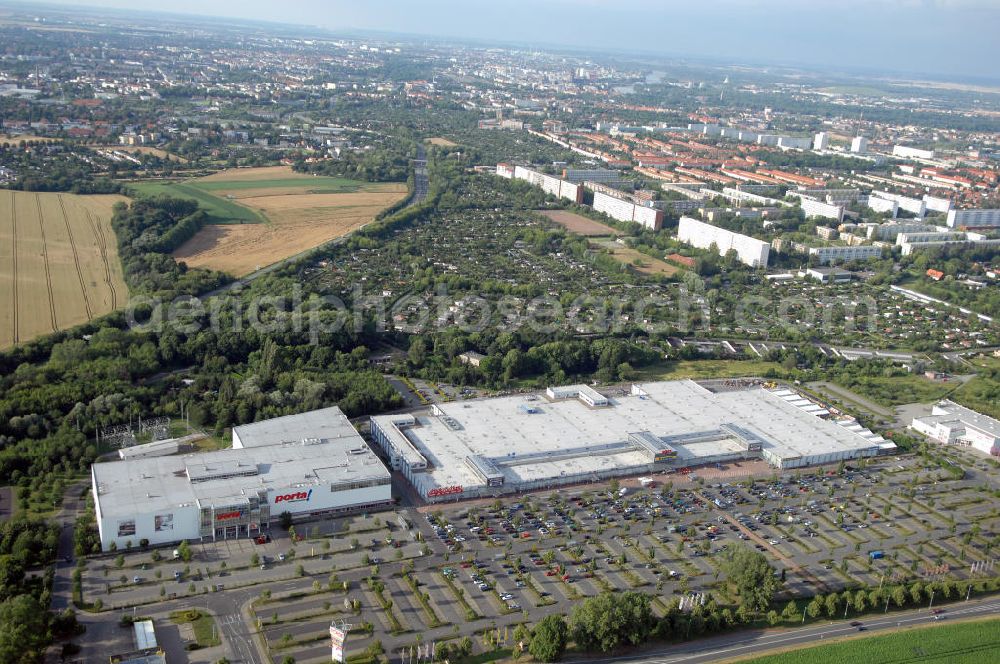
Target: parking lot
443, 573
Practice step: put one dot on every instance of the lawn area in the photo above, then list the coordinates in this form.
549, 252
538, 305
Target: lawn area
982, 393
314, 184
896, 390
205, 632
677, 370
957, 643
219, 210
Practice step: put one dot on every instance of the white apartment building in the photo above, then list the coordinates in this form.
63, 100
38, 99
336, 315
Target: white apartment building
829, 255
911, 153
624, 210
974, 218
751, 251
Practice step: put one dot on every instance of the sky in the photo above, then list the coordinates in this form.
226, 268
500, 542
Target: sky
935, 38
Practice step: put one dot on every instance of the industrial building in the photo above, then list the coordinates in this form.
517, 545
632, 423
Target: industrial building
751, 251
953, 424
310, 464
625, 210
576, 434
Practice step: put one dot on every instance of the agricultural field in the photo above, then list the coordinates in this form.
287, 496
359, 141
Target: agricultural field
261, 215
967, 642
59, 264
442, 142
638, 261
579, 224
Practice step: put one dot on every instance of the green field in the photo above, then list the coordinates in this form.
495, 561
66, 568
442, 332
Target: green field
897, 390
681, 369
205, 632
219, 210
958, 643
315, 185
982, 393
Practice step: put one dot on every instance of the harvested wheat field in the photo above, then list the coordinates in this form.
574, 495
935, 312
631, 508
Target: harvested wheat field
298, 217
58, 263
442, 142
579, 224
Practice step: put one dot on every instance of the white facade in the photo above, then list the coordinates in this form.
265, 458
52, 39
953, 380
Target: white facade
974, 218
794, 142
953, 424
883, 205
550, 185
859, 145
891, 230
624, 210
813, 208
913, 205
937, 204
821, 141
751, 251
911, 153
235, 493
828, 255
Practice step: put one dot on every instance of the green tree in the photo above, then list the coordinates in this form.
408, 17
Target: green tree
753, 577
548, 640
23, 630
610, 620
184, 550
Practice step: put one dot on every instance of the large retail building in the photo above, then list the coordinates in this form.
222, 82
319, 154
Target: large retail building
308, 465
576, 434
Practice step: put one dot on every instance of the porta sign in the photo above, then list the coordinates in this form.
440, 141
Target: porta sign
444, 491
337, 635
295, 497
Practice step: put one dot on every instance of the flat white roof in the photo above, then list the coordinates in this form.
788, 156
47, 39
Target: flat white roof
522, 442
949, 411
145, 635
328, 423
227, 477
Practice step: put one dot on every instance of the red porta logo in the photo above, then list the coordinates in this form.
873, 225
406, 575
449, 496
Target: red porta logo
296, 497
225, 516
444, 491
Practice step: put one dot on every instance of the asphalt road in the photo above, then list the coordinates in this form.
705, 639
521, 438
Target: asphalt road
62, 593
742, 644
